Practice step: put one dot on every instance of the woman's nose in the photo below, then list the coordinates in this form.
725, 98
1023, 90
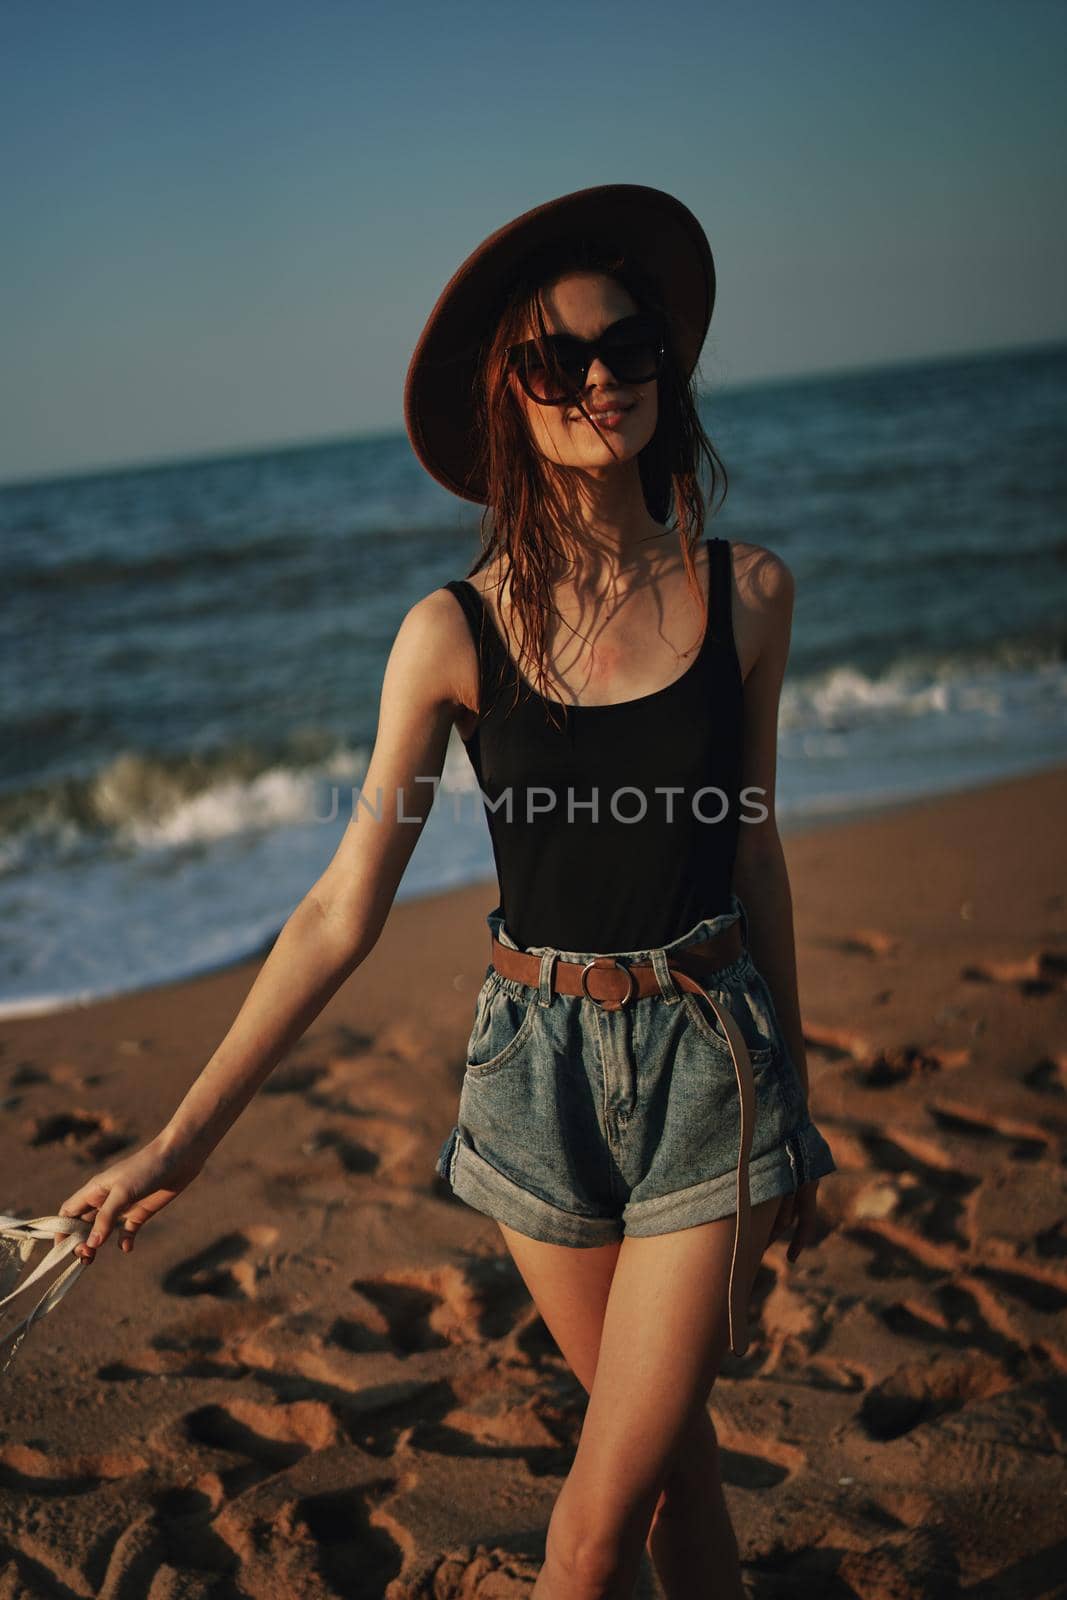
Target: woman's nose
599, 373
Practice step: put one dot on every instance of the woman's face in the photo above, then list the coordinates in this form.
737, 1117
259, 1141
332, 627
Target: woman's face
585, 303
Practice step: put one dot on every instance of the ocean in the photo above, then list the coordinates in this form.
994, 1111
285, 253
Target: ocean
193, 651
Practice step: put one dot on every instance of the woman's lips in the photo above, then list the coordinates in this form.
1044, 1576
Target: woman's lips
608, 419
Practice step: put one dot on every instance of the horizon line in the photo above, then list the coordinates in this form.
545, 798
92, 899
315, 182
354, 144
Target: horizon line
326, 441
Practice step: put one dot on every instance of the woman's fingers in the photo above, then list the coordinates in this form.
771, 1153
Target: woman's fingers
84, 1203
106, 1221
114, 1210
799, 1212
59, 1238
135, 1218
124, 1197
106, 1202
807, 1219
784, 1219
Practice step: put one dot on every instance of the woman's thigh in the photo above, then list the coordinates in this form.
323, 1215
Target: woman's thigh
664, 1336
642, 1323
570, 1287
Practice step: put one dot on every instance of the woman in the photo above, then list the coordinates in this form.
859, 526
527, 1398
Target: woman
634, 1109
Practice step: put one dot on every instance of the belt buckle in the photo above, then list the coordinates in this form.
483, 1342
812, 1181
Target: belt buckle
609, 1005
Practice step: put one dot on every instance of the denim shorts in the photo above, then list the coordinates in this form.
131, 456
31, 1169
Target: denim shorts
578, 1125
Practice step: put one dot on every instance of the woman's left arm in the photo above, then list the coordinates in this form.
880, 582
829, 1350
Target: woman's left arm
763, 618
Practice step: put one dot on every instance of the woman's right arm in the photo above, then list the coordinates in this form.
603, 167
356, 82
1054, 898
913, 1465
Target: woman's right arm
332, 929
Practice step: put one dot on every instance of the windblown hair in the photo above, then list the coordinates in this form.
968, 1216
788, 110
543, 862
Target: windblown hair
530, 496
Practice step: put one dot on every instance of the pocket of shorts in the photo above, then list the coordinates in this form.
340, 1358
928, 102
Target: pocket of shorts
763, 1040
501, 1024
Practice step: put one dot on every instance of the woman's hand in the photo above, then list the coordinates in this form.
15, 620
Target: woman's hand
798, 1208
136, 1188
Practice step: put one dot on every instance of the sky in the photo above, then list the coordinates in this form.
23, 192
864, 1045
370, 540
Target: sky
225, 224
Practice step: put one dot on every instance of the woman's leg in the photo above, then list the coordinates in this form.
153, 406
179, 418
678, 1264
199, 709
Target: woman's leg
643, 1326
692, 1541
570, 1287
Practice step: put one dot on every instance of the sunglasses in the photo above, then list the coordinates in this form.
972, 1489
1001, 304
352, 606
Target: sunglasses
554, 369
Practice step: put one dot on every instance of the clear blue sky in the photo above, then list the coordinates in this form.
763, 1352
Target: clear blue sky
225, 224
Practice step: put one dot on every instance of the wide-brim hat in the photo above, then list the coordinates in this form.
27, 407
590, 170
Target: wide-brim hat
657, 232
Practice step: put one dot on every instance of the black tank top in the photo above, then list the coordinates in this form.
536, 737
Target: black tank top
646, 865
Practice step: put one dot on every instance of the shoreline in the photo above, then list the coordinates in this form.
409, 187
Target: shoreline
796, 837
833, 817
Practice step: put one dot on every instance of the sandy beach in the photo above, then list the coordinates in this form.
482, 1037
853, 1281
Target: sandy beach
318, 1374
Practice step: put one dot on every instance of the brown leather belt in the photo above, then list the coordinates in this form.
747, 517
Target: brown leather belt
612, 984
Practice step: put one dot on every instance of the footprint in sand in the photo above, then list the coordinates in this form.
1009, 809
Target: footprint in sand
406, 1312
926, 1187
903, 1063
902, 1565
93, 1136
230, 1269
953, 1317
1029, 1141
216, 1342
42, 1551
898, 1252
869, 942
1041, 1291
1043, 972
28, 1075
352, 1156
354, 1553
265, 1438
251, 1501
1048, 1075
930, 1388
296, 1078
479, 1573
45, 1476
836, 1044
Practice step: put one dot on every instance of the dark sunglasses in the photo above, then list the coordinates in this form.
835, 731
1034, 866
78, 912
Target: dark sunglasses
554, 369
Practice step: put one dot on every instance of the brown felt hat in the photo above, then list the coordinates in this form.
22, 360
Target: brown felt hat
657, 232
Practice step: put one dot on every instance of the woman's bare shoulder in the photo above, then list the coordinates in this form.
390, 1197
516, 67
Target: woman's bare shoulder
436, 621
764, 579
433, 648
763, 604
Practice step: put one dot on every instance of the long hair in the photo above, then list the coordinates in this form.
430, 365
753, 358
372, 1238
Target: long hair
530, 496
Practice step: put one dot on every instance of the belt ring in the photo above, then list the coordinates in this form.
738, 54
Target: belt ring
608, 1004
